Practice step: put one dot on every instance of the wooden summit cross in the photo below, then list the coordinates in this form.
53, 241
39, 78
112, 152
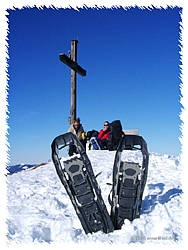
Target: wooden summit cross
75, 68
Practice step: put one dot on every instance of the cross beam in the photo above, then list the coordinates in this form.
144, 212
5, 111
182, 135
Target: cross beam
75, 68
73, 65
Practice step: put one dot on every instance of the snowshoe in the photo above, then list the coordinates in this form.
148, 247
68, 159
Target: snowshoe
78, 178
129, 180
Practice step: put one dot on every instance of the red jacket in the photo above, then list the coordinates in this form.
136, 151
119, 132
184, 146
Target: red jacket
104, 135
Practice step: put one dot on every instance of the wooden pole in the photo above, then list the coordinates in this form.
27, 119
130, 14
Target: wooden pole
71, 62
73, 82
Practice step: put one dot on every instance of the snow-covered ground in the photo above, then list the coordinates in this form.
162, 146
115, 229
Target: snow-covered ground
40, 211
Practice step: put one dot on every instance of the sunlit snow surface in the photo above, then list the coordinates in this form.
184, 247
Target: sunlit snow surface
39, 209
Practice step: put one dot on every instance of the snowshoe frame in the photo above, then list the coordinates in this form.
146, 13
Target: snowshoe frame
127, 188
78, 178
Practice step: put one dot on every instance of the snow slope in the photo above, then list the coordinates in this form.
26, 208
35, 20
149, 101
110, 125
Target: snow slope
39, 209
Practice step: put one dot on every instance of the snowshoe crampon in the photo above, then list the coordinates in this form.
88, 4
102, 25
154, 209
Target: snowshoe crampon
129, 180
78, 178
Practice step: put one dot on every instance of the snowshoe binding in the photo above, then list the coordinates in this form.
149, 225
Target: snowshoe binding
129, 180
78, 178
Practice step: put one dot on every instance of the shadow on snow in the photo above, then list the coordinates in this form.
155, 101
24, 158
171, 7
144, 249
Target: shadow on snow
150, 201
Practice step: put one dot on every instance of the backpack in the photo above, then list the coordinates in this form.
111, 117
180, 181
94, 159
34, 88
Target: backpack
96, 143
91, 133
116, 134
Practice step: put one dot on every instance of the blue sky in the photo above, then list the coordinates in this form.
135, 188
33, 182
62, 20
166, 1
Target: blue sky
132, 62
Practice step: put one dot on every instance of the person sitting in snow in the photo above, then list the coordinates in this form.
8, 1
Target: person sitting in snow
101, 141
77, 129
104, 134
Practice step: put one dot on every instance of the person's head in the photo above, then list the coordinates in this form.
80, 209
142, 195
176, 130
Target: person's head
76, 122
106, 124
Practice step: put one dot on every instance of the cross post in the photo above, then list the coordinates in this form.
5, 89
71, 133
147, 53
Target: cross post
75, 68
